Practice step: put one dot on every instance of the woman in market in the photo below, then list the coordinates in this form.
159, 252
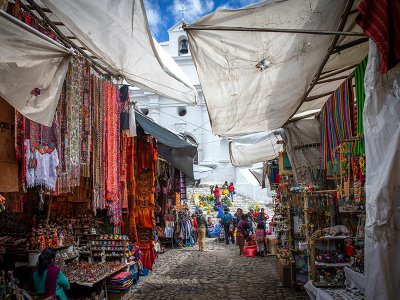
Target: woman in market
261, 218
217, 193
48, 280
201, 230
231, 189
242, 233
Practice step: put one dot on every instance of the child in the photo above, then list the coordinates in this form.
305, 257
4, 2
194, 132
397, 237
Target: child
260, 238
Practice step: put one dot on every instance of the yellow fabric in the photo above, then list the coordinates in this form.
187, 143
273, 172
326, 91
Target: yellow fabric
201, 238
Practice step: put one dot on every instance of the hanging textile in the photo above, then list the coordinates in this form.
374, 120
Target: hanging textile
336, 121
98, 134
359, 74
379, 20
111, 142
145, 200
69, 113
147, 153
131, 187
86, 122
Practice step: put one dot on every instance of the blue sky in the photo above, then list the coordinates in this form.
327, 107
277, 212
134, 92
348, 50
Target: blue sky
162, 14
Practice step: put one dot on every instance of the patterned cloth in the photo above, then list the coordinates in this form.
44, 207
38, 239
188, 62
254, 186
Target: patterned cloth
379, 20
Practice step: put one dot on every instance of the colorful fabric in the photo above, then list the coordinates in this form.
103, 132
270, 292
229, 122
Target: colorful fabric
70, 115
86, 125
379, 20
359, 74
336, 121
52, 283
98, 134
111, 142
44, 172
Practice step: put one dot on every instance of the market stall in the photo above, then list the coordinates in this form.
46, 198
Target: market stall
83, 164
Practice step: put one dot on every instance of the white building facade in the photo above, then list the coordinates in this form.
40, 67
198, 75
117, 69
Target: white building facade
193, 122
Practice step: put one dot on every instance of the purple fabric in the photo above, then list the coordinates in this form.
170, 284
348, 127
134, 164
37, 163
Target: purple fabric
51, 281
243, 226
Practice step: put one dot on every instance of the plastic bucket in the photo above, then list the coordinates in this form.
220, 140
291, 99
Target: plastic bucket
250, 251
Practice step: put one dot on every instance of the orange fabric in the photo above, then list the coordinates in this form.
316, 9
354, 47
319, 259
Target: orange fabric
131, 185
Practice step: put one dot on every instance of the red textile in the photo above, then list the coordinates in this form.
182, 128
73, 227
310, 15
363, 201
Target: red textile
380, 21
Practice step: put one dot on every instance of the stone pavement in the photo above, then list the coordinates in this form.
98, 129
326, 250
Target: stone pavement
219, 273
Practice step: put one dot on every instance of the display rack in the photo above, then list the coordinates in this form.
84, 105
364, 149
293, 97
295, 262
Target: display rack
109, 248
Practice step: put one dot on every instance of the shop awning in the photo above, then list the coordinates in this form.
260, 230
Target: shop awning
254, 148
32, 69
260, 65
117, 34
172, 147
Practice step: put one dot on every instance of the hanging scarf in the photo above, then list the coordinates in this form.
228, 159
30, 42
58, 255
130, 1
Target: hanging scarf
70, 127
359, 74
86, 122
336, 121
98, 134
111, 142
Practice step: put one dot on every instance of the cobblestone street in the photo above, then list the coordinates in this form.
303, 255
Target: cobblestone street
219, 273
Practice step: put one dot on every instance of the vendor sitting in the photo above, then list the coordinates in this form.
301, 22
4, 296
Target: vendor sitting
48, 280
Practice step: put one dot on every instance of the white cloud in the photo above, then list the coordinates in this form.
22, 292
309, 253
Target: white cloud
192, 9
232, 4
153, 16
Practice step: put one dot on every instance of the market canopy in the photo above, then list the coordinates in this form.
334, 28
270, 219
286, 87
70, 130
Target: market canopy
32, 69
117, 34
172, 147
254, 148
261, 65
201, 171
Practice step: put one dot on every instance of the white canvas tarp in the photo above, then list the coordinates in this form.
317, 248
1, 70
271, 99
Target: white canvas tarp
254, 148
382, 144
118, 32
260, 101
29, 60
303, 148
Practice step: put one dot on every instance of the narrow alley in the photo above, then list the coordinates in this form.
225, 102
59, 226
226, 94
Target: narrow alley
219, 273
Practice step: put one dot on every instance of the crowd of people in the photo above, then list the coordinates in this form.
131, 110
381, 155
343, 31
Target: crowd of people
237, 228
242, 225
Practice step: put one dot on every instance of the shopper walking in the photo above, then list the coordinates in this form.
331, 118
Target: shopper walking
201, 230
231, 189
260, 239
226, 221
217, 193
251, 220
242, 233
262, 218
48, 280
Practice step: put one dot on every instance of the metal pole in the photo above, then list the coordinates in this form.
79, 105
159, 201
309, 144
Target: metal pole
278, 30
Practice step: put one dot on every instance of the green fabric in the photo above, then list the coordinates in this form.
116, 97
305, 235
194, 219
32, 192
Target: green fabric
359, 74
62, 284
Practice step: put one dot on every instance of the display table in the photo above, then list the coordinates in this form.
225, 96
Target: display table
355, 287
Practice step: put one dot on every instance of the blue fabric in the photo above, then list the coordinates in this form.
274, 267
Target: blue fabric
226, 218
220, 212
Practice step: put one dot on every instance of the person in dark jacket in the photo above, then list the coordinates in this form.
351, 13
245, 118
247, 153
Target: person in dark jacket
201, 230
242, 233
226, 222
